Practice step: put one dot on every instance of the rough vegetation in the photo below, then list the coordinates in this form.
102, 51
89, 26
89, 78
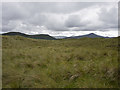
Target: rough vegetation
70, 63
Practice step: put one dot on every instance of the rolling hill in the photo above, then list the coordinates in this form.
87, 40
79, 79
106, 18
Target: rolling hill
37, 36
60, 37
91, 35
48, 37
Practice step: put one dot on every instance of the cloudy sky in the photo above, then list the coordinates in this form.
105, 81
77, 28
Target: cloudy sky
61, 18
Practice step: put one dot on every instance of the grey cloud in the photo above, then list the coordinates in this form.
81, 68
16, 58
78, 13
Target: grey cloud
7, 28
11, 25
109, 17
37, 14
37, 19
74, 21
55, 7
13, 11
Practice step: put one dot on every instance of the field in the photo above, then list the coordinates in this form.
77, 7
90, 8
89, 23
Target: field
69, 63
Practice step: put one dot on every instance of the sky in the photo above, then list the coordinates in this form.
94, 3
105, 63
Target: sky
61, 18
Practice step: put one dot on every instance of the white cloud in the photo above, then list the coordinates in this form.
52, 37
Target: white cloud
65, 19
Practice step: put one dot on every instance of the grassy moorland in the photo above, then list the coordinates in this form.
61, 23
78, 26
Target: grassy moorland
70, 63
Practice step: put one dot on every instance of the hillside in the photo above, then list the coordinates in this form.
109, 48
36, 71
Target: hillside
38, 36
91, 35
67, 63
60, 37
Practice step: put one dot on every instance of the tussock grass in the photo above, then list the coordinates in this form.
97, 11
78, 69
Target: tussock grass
71, 63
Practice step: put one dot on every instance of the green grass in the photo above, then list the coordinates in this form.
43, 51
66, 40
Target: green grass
70, 63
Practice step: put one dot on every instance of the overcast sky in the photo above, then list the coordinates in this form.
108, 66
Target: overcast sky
61, 19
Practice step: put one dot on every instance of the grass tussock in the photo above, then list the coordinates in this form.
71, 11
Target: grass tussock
71, 63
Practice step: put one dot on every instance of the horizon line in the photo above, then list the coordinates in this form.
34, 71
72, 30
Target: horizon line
54, 35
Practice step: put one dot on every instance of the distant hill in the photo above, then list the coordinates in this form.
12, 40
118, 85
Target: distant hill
48, 37
37, 36
91, 35
59, 37
14, 33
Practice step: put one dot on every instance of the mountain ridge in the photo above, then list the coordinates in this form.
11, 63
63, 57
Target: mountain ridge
36, 36
48, 37
91, 35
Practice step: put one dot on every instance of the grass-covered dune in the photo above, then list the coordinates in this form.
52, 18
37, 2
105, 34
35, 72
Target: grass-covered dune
69, 63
